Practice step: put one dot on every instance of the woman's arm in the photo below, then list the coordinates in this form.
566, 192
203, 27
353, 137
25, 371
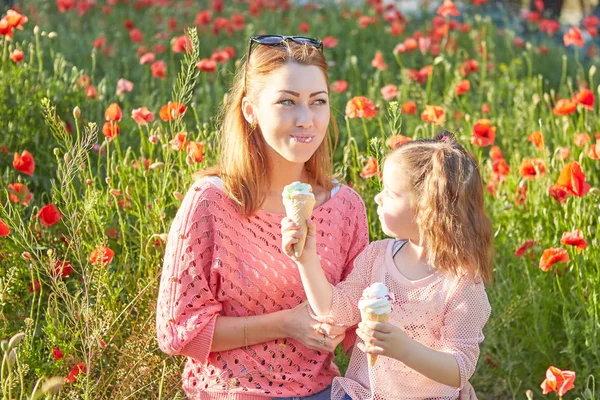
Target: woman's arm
238, 332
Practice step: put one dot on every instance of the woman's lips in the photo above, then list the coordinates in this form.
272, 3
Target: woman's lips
300, 138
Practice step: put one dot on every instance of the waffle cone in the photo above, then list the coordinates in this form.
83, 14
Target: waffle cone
374, 318
299, 208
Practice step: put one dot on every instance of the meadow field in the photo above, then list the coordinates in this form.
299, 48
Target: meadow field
108, 107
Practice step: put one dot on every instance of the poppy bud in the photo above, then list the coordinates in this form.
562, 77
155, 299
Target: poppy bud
16, 340
76, 112
53, 385
52, 35
178, 196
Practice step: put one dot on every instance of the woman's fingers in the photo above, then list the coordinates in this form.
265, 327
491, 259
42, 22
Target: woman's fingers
371, 340
332, 330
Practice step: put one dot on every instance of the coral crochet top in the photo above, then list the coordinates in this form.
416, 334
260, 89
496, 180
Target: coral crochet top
441, 312
220, 262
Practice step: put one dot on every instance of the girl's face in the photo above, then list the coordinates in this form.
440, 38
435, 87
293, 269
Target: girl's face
394, 206
292, 111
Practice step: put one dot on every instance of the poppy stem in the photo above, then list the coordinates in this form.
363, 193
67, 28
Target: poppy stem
368, 140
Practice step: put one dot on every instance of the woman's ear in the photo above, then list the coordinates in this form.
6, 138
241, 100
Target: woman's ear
248, 110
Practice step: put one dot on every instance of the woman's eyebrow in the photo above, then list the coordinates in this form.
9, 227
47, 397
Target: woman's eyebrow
298, 94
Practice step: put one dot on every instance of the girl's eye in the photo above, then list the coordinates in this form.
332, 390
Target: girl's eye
320, 102
286, 102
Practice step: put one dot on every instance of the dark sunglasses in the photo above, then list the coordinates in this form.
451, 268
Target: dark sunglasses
278, 40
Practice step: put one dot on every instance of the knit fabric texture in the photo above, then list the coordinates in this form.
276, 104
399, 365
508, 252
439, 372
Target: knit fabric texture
442, 312
219, 262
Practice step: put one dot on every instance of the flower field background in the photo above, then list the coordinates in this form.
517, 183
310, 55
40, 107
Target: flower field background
107, 108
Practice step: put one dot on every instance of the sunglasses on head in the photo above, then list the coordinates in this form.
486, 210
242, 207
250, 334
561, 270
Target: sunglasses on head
279, 40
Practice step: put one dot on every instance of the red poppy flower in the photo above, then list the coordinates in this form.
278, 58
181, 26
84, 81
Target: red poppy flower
448, 9
179, 142
370, 169
142, 116
136, 36
147, 58
549, 26
396, 141
19, 193
581, 139
586, 98
520, 252
559, 193
4, 229
6, 29
207, 65
77, 369
483, 133
101, 255
111, 130
573, 37
468, 67
594, 151
24, 163
562, 153
552, 256
172, 111
409, 107
378, 62
521, 195
495, 153
574, 238
57, 353
537, 139
159, 69
17, 55
195, 151
501, 168
62, 268
433, 114
181, 43
361, 107
113, 113
532, 168
15, 19
420, 75
565, 107
558, 381
124, 86
389, 92
340, 86
572, 179
35, 286
463, 87
49, 215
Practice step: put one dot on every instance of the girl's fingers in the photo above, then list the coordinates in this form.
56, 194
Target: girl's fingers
370, 349
368, 338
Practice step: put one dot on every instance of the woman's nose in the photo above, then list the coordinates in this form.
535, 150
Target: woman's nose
304, 118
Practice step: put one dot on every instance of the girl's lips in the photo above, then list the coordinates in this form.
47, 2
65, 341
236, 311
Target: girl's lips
302, 138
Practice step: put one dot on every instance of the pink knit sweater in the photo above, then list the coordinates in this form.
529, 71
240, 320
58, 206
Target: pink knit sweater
219, 262
442, 312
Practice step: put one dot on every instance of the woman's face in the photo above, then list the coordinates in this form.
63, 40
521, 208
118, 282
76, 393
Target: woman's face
292, 111
394, 206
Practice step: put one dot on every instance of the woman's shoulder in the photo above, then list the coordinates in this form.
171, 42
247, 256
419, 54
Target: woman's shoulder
347, 194
208, 188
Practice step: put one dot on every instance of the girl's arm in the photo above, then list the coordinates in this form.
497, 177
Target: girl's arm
330, 304
390, 341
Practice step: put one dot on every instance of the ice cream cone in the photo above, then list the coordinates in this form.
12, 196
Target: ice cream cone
299, 208
374, 318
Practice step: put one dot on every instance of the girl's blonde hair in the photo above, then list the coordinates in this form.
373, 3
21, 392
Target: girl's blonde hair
243, 165
447, 194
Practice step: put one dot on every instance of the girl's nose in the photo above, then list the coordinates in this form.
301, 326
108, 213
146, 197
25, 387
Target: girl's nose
378, 198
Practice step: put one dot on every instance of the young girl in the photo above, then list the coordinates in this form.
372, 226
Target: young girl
432, 205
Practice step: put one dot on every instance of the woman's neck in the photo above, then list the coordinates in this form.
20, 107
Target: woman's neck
284, 172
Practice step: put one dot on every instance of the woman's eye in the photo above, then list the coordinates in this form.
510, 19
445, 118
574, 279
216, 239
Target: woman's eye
320, 102
286, 102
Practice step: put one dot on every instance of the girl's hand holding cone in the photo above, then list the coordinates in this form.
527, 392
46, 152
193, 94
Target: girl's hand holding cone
291, 234
384, 339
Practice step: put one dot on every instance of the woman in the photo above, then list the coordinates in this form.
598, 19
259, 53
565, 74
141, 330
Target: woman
229, 299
